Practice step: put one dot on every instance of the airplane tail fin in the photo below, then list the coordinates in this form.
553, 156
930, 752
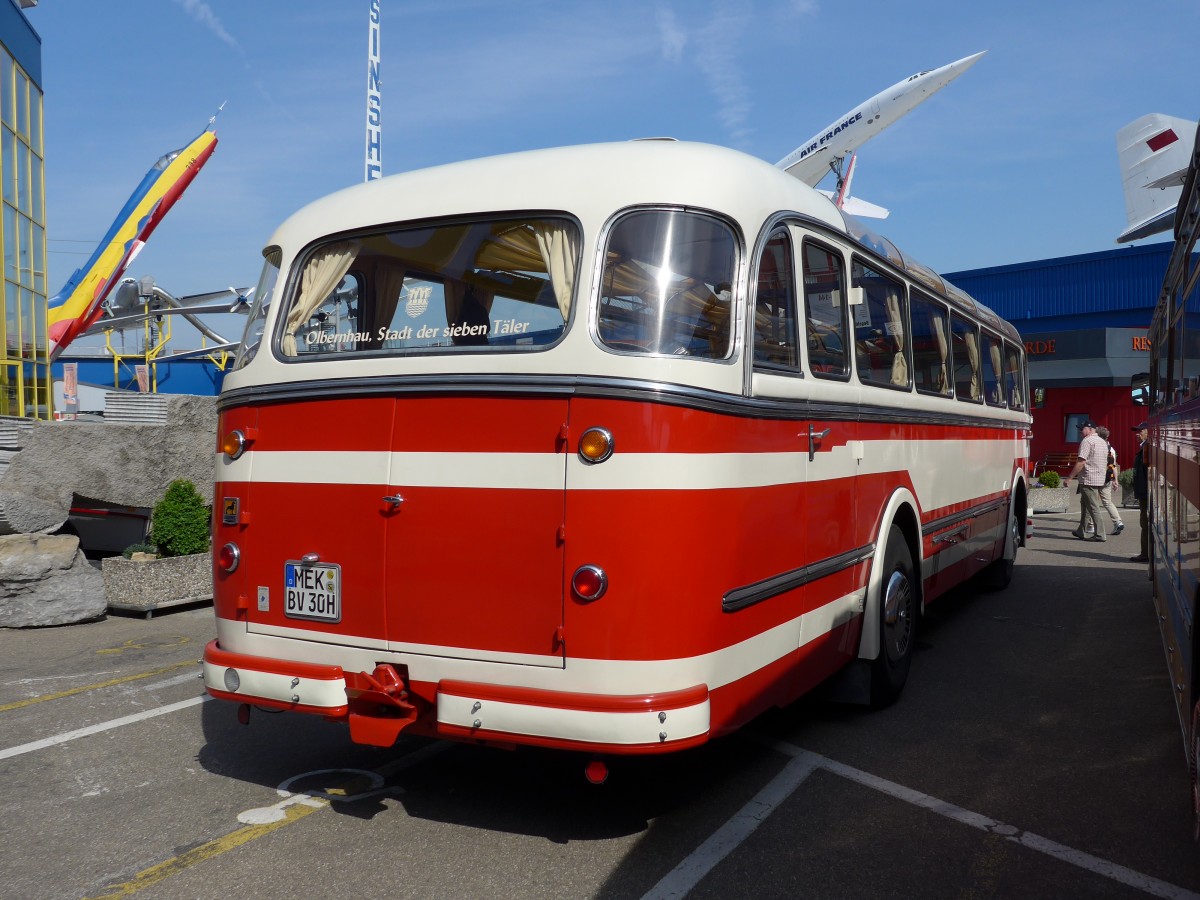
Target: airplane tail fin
853, 205
1153, 152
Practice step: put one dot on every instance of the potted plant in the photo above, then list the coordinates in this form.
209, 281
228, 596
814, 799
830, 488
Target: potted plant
1125, 480
176, 568
1049, 494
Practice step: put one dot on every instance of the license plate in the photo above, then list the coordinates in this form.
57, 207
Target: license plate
312, 591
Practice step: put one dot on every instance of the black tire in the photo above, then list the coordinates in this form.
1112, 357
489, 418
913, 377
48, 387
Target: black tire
998, 575
898, 607
1193, 762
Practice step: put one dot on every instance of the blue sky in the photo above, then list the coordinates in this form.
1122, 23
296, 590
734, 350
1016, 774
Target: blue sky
1014, 161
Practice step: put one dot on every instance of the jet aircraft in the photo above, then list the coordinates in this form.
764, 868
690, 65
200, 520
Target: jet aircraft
832, 148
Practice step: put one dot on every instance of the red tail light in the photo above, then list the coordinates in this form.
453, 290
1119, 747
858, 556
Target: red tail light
228, 557
589, 583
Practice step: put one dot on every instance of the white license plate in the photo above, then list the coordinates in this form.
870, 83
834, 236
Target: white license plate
312, 591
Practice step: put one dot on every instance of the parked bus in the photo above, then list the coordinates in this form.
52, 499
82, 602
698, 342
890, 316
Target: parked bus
1172, 455
606, 448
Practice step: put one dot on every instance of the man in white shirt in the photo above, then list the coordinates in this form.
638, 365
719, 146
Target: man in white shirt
1092, 462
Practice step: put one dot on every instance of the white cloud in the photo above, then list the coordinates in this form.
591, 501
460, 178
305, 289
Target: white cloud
202, 13
718, 41
674, 38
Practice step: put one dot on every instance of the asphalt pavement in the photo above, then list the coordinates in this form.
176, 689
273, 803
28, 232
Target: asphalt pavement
1035, 752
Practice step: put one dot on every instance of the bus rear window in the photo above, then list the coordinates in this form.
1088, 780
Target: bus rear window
667, 285
500, 285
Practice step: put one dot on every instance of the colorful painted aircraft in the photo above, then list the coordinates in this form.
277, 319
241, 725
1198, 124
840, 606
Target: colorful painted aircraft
79, 304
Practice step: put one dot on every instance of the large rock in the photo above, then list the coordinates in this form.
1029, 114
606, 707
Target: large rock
119, 463
46, 580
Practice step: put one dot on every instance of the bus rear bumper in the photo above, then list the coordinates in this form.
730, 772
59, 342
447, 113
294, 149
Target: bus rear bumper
649, 723
276, 684
378, 706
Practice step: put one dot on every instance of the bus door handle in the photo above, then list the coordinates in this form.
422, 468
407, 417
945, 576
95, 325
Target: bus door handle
393, 500
814, 438
952, 537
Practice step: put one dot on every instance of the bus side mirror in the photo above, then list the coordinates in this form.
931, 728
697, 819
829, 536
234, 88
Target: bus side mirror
1139, 389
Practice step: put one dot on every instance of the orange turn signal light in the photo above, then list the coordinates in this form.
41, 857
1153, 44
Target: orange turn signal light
233, 444
595, 445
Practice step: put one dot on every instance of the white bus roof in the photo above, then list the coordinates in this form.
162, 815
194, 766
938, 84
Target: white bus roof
592, 181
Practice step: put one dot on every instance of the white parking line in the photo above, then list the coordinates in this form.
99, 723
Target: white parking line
102, 726
725, 839
701, 861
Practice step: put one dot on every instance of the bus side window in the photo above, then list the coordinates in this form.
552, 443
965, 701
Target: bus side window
930, 346
993, 393
1013, 386
825, 308
968, 376
880, 323
775, 306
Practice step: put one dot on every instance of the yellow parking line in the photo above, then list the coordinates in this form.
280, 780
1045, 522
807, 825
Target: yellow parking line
175, 865
292, 813
94, 687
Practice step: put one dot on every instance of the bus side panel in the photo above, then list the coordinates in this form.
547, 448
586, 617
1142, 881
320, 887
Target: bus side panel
681, 520
676, 521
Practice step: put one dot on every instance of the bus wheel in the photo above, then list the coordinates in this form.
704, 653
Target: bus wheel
1193, 763
998, 575
897, 621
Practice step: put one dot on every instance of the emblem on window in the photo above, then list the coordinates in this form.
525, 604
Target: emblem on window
418, 301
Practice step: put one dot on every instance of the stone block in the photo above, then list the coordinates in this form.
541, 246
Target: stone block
148, 584
46, 580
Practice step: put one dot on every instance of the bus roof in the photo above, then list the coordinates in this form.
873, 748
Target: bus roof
593, 180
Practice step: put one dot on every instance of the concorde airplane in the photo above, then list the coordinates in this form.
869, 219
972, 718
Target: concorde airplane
829, 149
1154, 152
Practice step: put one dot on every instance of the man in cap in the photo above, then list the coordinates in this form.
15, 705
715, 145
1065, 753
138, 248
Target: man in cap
1092, 462
1140, 490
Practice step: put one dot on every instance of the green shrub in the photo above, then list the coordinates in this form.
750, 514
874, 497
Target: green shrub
180, 523
138, 548
1050, 480
1125, 478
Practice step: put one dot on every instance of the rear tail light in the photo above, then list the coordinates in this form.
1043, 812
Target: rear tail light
589, 583
228, 557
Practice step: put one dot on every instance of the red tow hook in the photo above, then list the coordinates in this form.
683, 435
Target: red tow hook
379, 707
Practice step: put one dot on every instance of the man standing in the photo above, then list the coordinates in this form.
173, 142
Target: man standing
1092, 462
1140, 491
1110, 482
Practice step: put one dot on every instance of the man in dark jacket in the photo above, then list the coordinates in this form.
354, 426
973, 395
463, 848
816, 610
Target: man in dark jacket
1139, 490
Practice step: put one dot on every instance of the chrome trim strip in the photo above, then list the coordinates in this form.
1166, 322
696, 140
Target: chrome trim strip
607, 388
740, 598
973, 513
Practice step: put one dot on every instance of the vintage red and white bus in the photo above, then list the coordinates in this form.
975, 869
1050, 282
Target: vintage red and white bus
1172, 458
605, 448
